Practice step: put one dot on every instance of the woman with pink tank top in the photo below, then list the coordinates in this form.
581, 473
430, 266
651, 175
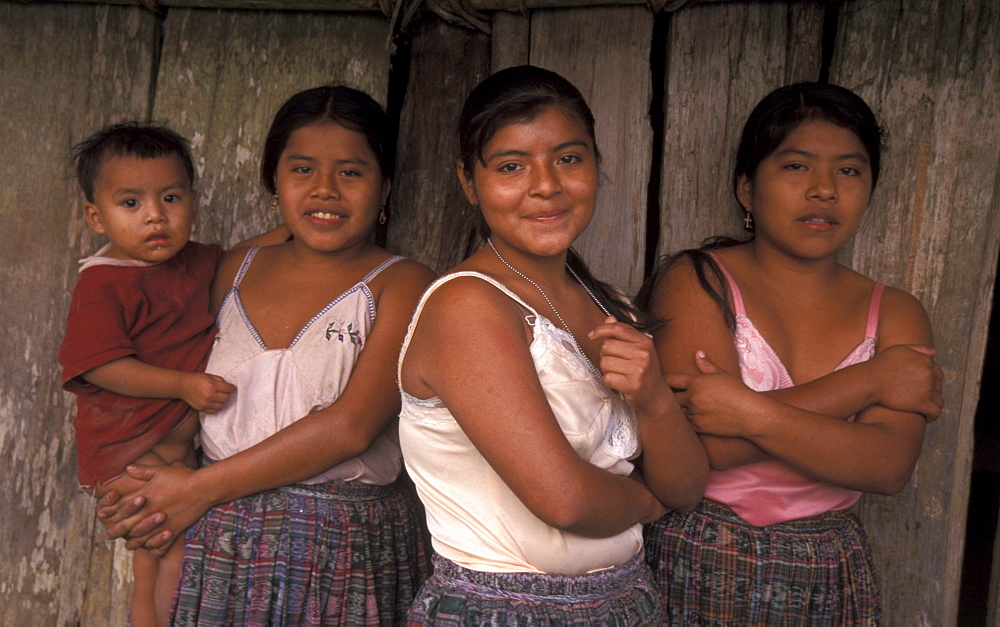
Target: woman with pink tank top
836, 379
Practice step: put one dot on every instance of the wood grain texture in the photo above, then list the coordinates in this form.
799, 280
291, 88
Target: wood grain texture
605, 53
430, 219
66, 71
931, 70
511, 39
224, 74
385, 6
721, 60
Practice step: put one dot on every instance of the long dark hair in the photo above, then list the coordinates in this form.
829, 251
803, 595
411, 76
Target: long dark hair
774, 118
517, 95
348, 107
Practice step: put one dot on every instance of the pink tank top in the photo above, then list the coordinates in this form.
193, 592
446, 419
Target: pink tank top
769, 492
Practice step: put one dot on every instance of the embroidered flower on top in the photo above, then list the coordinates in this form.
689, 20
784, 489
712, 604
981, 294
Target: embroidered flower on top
336, 328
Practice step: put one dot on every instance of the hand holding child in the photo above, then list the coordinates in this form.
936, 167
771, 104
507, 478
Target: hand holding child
158, 513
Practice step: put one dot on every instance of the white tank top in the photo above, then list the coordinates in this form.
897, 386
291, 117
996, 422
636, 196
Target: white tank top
475, 520
276, 387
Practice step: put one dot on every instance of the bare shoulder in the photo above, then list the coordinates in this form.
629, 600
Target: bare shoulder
463, 319
230, 264
902, 319
471, 299
406, 272
225, 274
679, 287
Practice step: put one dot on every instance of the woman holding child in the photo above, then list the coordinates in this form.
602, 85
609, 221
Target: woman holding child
297, 518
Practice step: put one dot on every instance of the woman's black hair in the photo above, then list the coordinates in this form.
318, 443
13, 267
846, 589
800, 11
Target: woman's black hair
783, 110
348, 107
520, 94
774, 118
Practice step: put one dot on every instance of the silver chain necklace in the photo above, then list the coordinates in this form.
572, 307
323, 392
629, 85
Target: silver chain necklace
546, 296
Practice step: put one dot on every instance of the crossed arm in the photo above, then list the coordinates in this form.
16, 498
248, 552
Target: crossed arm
804, 425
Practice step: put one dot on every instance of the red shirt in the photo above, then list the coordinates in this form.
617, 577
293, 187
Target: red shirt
156, 314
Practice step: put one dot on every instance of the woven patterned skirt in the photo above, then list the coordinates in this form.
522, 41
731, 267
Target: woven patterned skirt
328, 554
624, 595
715, 568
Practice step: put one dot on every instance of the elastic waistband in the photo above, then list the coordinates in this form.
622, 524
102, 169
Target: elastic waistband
532, 585
342, 490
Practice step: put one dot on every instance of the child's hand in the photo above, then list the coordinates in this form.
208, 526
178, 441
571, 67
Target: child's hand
908, 380
630, 366
716, 402
205, 392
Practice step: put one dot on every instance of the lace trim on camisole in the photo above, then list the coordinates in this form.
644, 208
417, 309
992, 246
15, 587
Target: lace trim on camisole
621, 437
761, 367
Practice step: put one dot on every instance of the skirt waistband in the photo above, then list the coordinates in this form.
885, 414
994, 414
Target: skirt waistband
527, 584
822, 522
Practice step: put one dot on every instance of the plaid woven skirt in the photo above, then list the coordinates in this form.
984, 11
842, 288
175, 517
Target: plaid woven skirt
454, 595
715, 568
328, 554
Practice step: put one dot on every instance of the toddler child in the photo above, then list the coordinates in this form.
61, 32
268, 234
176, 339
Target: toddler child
139, 329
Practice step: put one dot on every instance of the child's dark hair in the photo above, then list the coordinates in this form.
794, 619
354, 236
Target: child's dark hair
128, 139
520, 94
774, 118
348, 107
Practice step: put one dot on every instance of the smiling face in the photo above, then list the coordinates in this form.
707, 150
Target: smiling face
809, 195
536, 184
329, 187
145, 206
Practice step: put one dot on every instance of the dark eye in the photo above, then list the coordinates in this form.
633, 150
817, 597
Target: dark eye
509, 167
131, 203
850, 171
570, 159
302, 169
350, 173
171, 198
795, 167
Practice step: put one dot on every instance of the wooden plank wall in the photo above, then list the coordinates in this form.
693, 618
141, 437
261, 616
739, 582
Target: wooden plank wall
934, 230
928, 67
64, 70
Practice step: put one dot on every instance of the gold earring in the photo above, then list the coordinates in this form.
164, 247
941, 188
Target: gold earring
274, 202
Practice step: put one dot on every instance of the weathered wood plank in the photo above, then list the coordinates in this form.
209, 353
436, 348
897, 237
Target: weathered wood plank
223, 75
605, 53
721, 60
430, 219
932, 70
66, 70
385, 6
511, 35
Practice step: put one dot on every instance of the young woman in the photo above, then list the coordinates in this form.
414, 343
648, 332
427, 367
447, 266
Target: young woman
774, 541
527, 389
305, 522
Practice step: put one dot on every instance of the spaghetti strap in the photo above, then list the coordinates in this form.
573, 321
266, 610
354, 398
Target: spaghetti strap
737, 297
430, 290
382, 266
874, 305
246, 264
